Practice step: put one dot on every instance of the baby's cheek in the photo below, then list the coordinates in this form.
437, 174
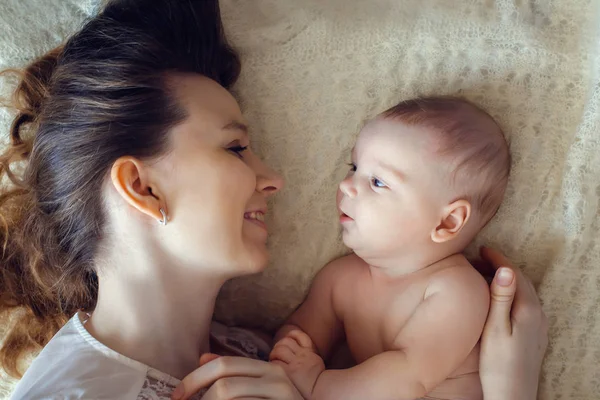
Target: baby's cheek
398, 223
392, 229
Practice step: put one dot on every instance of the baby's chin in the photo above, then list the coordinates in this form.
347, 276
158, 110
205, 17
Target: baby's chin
344, 235
367, 250
362, 247
351, 243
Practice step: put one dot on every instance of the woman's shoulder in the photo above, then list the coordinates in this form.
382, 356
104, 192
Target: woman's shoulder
74, 365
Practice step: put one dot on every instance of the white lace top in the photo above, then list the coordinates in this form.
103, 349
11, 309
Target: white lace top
74, 365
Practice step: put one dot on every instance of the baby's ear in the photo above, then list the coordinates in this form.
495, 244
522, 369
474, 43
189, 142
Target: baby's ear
454, 219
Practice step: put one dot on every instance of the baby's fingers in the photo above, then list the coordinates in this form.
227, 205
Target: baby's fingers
289, 342
282, 353
301, 338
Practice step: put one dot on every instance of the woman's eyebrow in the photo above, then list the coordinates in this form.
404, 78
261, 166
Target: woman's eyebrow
236, 126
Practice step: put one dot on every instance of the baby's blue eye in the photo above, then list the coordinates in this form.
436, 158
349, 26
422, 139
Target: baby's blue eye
377, 183
352, 167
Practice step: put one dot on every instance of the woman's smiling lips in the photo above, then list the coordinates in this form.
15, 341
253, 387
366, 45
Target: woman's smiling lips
256, 217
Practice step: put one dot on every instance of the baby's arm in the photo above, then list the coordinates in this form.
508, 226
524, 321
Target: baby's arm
317, 315
435, 341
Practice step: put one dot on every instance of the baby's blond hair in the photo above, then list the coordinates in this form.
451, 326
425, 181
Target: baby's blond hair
470, 140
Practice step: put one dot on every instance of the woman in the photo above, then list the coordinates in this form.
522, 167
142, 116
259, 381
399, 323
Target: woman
140, 197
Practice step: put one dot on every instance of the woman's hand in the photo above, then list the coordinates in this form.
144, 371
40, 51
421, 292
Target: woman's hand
237, 378
515, 336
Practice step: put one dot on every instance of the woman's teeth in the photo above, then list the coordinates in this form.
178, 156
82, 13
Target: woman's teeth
255, 215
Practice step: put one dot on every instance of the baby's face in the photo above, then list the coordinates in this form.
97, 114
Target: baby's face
394, 194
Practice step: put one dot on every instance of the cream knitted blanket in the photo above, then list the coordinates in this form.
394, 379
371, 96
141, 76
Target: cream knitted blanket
314, 70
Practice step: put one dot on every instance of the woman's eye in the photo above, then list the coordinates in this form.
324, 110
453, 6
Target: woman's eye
238, 150
352, 167
377, 183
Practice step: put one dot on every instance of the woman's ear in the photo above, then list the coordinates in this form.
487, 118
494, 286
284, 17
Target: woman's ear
130, 179
454, 219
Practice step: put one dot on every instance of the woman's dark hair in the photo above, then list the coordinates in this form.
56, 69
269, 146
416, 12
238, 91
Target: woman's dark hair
104, 94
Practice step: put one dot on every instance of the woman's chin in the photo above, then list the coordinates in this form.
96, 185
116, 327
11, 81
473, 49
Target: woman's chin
256, 260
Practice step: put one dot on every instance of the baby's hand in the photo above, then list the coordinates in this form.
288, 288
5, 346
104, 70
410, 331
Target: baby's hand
296, 354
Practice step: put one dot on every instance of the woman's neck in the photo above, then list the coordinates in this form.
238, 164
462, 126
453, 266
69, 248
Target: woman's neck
157, 314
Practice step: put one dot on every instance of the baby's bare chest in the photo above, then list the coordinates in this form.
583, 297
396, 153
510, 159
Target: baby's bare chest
374, 316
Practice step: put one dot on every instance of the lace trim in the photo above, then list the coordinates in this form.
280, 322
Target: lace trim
155, 389
225, 341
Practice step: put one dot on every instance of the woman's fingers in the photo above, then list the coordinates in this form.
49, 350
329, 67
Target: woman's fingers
221, 367
525, 304
237, 388
239, 398
208, 357
527, 312
494, 258
515, 335
279, 363
272, 388
502, 292
525, 291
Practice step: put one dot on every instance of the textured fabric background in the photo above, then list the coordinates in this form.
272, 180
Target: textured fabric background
314, 70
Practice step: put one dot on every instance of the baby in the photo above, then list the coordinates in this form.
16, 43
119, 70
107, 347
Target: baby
426, 176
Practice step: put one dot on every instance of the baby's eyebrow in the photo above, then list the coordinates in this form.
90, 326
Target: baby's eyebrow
393, 171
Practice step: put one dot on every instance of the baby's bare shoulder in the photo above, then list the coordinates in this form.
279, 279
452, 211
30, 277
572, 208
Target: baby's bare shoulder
339, 273
460, 279
344, 267
342, 276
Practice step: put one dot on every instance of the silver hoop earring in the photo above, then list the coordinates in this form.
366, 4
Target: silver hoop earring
163, 221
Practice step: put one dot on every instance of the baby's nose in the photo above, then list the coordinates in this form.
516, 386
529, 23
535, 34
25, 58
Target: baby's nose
347, 187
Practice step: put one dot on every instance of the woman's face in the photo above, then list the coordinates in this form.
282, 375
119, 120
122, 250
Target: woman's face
214, 187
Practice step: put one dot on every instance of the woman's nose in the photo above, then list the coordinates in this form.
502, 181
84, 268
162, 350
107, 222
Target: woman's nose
268, 181
347, 187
